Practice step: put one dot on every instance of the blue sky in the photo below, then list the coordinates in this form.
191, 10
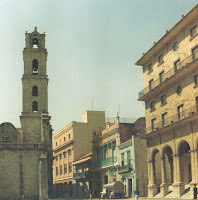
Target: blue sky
92, 47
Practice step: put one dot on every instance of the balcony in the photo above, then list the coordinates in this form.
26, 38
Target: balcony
171, 73
124, 168
107, 161
189, 113
82, 175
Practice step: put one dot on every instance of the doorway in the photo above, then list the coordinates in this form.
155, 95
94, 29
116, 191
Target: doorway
130, 187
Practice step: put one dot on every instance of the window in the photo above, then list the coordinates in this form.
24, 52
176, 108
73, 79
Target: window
196, 79
69, 135
64, 139
175, 46
179, 90
193, 31
195, 52
180, 111
35, 43
70, 167
69, 152
105, 152
160, 58
153, 124
56, 143
60, 156
34, 91
64, 154
150, 67
35, 66
56, 158
128, 157
164, 119
34, 106
151, 84
161, 77
61, 169
65, 168
56, 171
177, 65
122, 159
163, 99
5, 139
152, 105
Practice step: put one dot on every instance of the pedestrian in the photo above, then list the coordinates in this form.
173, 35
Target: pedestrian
90, 195
195, 192
137, 193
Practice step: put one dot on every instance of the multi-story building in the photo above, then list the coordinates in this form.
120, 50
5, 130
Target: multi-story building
82, 176
132, 168
70, 143
26, 153
106, 154
171, 97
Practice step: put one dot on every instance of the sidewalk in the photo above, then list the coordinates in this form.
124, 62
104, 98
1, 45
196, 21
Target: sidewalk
140, 198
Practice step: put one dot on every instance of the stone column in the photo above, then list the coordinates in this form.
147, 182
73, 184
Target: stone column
179, 168
164, 185
152, 187
43, 178
21, 176
178, 186
170, 162
196, 164
152, 168
194, 169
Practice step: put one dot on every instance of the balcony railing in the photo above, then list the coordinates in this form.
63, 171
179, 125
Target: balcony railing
170, 73
173, 119
82, 175
122, 120
8, 146
124, 168
107, 161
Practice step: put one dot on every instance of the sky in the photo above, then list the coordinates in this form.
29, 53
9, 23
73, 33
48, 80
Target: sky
92, 46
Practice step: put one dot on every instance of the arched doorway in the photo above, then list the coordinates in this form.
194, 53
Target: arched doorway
185, 161
168, 162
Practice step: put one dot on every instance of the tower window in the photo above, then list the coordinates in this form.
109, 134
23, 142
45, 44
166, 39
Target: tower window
35, 66
34, 106
35, 91
35, 43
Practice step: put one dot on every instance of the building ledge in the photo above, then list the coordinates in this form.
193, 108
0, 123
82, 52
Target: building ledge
175, 120
63, 145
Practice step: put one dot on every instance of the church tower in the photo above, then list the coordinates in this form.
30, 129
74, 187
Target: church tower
35, 89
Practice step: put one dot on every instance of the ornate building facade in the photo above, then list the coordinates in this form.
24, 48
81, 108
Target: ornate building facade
171, 97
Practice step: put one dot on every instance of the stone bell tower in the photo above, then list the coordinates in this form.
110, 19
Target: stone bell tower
35, 89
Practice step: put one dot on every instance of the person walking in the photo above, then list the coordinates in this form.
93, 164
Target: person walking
195, 192
137, 193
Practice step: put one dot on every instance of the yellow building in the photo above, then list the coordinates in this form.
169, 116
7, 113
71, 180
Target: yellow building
171, 97
70, 143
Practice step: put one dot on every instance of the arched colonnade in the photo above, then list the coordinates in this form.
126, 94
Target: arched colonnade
172, 167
